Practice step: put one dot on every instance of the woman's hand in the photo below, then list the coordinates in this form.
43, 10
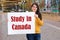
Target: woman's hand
36, 15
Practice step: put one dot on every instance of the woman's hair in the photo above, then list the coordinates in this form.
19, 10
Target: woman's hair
37, 12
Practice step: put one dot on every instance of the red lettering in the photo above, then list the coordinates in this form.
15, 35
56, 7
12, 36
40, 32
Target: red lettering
13, 27
28, 18
17, 27
12, 19
17, 19
27, 26
21, 27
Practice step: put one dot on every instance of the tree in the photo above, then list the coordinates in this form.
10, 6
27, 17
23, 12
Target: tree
42, 4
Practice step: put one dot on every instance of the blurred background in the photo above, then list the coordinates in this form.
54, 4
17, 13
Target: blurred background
47, 7
18, 5
50, 10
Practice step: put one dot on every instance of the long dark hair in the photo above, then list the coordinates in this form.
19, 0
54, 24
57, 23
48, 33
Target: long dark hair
37, 12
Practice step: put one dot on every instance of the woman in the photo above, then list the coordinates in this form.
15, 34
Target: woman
38, 23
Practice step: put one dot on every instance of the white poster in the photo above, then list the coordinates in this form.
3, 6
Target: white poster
21, 23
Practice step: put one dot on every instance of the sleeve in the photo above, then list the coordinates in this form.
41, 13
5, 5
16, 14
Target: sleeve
40, 22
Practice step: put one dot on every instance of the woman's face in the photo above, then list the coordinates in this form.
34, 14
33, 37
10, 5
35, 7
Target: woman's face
34, 8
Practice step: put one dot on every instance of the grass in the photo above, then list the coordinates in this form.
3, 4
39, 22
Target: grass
52, 17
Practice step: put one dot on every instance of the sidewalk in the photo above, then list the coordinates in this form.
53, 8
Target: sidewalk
49, 32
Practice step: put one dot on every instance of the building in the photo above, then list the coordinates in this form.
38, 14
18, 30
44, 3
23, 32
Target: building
55, 5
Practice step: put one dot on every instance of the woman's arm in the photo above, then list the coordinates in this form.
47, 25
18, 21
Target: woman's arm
40, 22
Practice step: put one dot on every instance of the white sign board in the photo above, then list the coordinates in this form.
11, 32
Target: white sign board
21, 23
